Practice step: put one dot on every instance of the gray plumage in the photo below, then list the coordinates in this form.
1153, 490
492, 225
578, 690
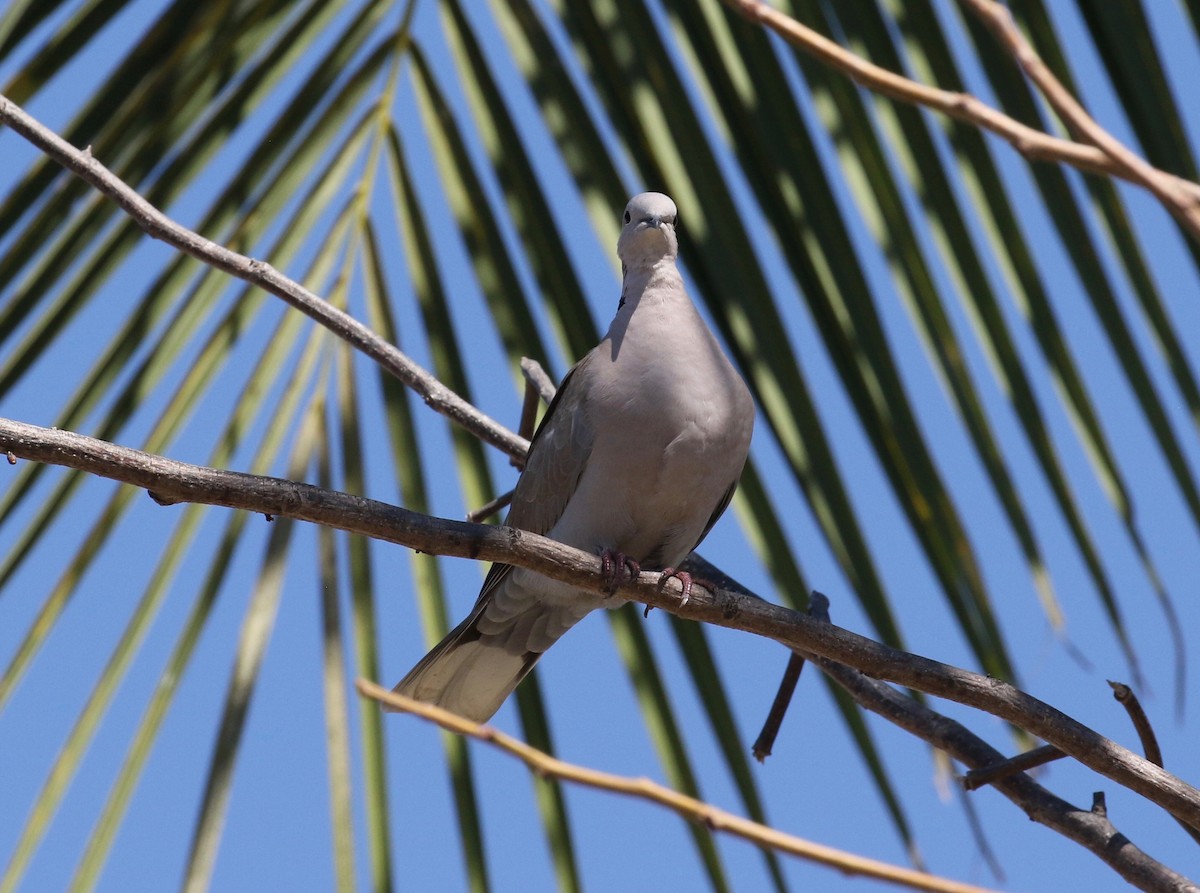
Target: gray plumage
639, 453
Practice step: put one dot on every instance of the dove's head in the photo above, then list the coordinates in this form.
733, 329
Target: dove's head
648, 236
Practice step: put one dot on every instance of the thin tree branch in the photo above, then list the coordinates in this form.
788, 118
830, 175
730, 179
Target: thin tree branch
489, 508
536, 376
158, 226
190, 483
1182, 202
1180, 196
1125, 696
687, 807
765, 742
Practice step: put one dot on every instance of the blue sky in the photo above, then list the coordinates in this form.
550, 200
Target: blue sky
278, 834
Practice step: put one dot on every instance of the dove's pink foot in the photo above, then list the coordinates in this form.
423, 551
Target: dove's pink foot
684, 578
617, 569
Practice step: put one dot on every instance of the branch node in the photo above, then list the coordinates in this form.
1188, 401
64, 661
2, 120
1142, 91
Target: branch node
1099, 806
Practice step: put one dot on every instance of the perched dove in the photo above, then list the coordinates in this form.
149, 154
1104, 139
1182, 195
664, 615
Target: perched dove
637, 457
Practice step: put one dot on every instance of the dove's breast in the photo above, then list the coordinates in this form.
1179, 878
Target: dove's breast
672, 422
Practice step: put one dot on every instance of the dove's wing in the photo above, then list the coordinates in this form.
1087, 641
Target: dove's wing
717, 513
487, 655
557, 457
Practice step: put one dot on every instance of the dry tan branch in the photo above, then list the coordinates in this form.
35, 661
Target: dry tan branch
1177, 196
1107, 156
687, 807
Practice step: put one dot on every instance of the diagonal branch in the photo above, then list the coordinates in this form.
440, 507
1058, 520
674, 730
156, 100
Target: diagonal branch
180, 482
1090, 829
1174, 193
690, 808
158, 226
1108, 157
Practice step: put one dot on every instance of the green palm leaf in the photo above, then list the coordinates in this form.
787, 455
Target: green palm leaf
975, 382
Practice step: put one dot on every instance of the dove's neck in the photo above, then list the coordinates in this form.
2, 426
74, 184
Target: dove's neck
653, 302
660, 282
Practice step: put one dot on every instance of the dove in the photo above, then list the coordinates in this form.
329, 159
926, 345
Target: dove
638, 455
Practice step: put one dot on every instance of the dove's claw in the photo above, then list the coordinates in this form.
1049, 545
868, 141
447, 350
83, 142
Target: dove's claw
684, 578
617, 569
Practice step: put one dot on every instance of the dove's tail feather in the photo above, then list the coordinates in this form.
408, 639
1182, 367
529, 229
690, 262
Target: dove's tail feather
471, 672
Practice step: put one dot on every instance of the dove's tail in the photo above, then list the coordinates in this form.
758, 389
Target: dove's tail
477, 665
468, 673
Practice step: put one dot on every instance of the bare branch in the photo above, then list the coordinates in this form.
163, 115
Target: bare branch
765, 742
492, 507
689, 808
1174, 193
1124, 696
536, 376
158, 226
1107, 157
1090, 829
182, 482
1145, 732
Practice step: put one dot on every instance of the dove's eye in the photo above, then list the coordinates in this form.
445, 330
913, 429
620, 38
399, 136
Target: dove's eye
627, 217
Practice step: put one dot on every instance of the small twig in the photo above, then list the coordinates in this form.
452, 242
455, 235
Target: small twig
529, 408
536, 376
818, 607
691, 809
1022, 762
765, 741
1145, 732
528, 413
485, 511
1124, 696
